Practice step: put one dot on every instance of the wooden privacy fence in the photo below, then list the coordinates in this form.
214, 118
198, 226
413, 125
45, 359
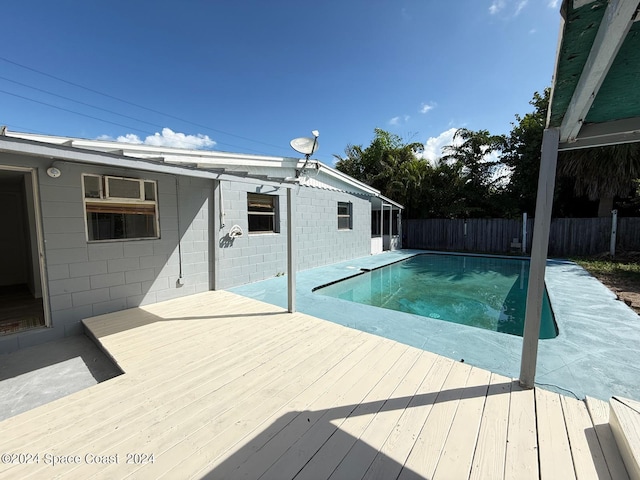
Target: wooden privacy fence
567, 237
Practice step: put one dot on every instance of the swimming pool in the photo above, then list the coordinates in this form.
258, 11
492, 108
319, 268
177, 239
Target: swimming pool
483, 292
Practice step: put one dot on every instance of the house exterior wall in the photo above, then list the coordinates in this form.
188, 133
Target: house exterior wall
255, 257
86, 279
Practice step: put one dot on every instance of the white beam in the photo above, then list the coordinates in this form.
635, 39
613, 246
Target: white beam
608, 133
291, 251
539, 249
614, 27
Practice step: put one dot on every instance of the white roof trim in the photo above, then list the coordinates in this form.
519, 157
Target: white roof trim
197, 163
60, 152
612, 32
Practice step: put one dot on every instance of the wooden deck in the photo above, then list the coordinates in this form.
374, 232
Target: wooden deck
221, 386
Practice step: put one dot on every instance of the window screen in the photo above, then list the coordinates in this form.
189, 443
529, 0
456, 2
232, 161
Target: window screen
262, 210
120, 208
344, 216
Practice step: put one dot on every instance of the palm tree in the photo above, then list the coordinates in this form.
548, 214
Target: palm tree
602, 173
479, 172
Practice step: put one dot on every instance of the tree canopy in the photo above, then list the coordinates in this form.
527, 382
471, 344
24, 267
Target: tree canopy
485, 175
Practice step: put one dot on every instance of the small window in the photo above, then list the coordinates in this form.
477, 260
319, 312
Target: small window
344, 216
119, 208
262, 213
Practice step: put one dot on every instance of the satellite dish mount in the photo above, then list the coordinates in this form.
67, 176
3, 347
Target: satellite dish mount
307, 146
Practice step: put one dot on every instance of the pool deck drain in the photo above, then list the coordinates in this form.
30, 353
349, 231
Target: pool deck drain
596, 352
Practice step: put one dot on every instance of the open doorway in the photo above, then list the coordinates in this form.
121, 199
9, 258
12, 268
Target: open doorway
22, 302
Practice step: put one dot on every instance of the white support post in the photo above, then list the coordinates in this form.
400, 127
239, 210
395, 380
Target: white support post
291, 251
614, 231
390, 227
539, 249
400, 246
524, 232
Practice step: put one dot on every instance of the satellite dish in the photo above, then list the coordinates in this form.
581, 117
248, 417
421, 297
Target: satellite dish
305, 145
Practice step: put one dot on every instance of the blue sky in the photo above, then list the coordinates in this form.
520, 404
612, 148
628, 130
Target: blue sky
248, 76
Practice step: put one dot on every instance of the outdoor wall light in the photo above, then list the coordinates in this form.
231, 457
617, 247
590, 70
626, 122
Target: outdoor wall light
54, 172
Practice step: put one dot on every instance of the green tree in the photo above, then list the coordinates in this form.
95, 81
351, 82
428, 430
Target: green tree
475, 159
442, 191
602, 173
522, 156
390, 165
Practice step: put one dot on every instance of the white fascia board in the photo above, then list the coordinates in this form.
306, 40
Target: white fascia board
366, 189
208, 162
349, 180
60, 152
555, 69
392, 202
177, 155
613, 29
203, 158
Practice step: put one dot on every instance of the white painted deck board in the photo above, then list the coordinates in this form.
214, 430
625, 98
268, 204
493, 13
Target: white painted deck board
491, 448
457, 455
222, 386
588, 460
426, 452
599, 412
394, 453
553, 442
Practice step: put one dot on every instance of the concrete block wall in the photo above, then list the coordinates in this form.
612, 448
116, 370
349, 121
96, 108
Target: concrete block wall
252, 257
319, 242
87, 279
255, 257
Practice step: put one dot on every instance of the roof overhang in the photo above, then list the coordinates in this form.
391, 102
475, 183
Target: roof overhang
66, 153
247, 168
596, 92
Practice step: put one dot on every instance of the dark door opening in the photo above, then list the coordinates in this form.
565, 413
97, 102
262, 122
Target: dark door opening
21, 292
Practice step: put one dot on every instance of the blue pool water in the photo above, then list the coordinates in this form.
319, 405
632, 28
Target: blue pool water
483, 292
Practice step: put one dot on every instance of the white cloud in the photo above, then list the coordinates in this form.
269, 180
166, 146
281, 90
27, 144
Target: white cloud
512, 8
399, 119
496, 6
553, 3
521, 5
129, 138
434, 145
167, 138
425, 107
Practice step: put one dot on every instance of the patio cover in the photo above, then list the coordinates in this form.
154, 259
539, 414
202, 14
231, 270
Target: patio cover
595, 101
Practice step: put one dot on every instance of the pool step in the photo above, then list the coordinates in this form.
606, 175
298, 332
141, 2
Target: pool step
624, 419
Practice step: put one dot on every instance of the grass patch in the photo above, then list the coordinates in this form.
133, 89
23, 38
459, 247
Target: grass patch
621, 275
622, 268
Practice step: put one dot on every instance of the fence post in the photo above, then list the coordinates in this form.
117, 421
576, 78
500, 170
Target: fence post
524, 232
464, 237
614, 228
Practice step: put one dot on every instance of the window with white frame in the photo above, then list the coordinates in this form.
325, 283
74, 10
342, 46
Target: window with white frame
344, 216
262, 213
119, 208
